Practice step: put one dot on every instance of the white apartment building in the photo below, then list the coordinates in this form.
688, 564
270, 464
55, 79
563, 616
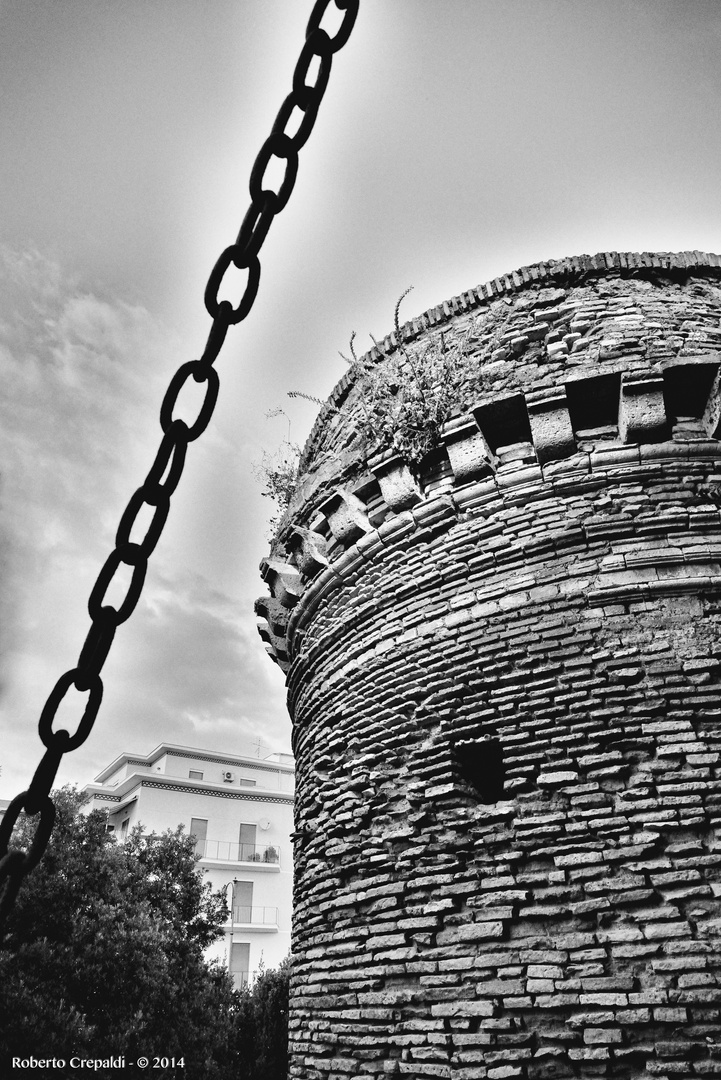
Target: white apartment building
240, 810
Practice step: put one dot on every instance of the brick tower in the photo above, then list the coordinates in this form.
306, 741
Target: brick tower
504, 677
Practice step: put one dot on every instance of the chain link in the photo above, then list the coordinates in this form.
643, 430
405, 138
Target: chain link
166, 470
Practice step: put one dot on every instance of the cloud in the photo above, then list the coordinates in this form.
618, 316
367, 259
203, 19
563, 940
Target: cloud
193, 670
75, 417
196, 633
83, 376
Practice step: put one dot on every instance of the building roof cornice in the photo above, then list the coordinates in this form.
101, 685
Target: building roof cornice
196, 754
122, 792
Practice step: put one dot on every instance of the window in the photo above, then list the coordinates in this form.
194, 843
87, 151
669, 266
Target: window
199, 829
124, 828
245, 782
240, 963
481, 765
246, 843
195, 775
243, 901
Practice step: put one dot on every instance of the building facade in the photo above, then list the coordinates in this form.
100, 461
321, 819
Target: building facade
504, 676
240, 811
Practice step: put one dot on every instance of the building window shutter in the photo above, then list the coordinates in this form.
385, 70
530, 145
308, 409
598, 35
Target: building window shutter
199, 829
240, 963
247, 841
242, 901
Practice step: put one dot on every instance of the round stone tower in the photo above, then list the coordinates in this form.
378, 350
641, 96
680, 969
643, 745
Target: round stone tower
504, 676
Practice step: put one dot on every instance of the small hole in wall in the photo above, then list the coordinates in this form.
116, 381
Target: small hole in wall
504, 421
594, 403
687, 388
481, 765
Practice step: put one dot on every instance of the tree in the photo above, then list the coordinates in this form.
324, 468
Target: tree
263, 1024
104, 954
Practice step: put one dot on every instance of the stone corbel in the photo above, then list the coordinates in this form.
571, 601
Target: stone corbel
280, 659
275, 643
397, 483
550, 425
368, 490
283, 580
712, 413
468, 452
274, 613
308, 549
642, 415
346, 516
284, 665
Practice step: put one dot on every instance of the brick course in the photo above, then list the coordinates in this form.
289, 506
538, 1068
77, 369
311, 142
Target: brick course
559, 593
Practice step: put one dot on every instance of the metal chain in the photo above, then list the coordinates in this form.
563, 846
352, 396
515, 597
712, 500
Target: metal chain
166, 470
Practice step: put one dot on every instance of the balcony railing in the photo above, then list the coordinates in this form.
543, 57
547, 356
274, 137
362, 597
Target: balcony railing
256, 916
224, 851
244, 978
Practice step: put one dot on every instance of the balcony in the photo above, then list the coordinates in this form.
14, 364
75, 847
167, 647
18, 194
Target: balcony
255, 918
222, 851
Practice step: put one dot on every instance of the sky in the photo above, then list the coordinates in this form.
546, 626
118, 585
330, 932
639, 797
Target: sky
458, 140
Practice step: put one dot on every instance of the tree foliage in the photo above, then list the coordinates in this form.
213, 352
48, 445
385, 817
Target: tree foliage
263, 1023
104, 955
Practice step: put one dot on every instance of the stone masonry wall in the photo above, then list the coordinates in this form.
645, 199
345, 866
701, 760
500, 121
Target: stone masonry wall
504, 675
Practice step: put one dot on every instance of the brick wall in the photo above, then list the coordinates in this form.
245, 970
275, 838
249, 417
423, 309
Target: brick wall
504, 675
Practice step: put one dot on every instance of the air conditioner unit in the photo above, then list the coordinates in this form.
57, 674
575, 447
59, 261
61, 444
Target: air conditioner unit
228, 777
